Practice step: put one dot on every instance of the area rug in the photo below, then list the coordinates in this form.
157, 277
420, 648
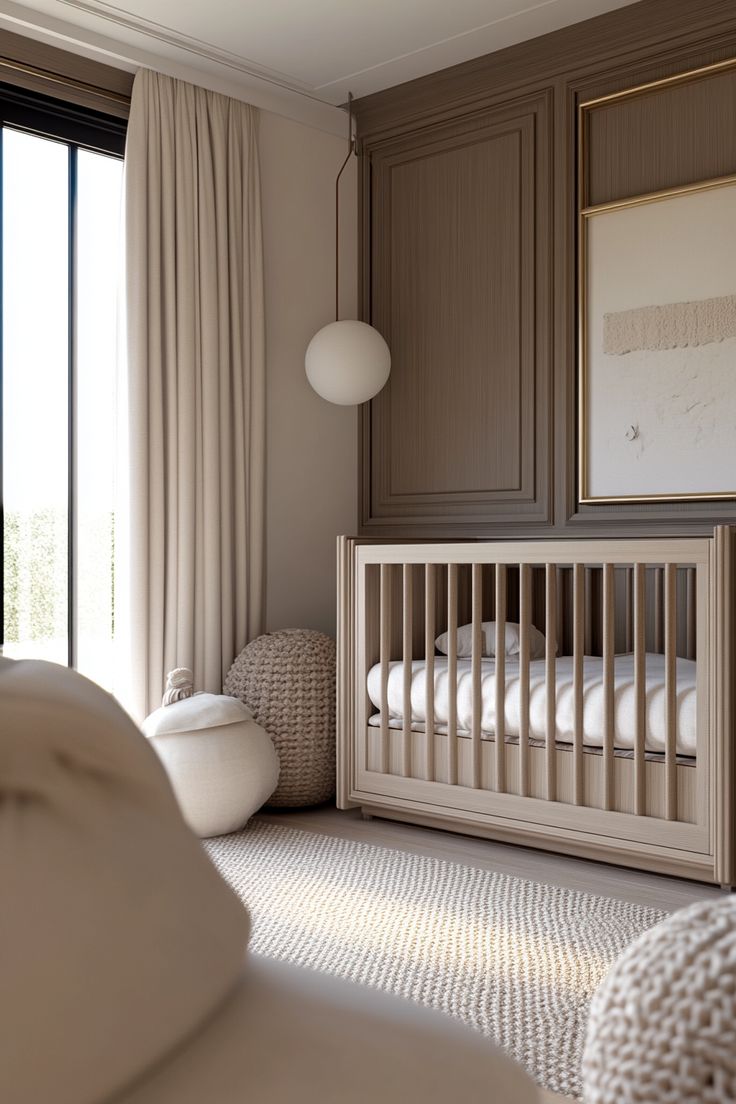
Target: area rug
515, 959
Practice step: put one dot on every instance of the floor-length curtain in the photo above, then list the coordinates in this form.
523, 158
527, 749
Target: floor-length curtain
191, 591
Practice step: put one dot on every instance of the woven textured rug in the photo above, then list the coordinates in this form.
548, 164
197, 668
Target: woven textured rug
517, 960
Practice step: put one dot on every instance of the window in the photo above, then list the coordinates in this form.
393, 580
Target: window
61, 178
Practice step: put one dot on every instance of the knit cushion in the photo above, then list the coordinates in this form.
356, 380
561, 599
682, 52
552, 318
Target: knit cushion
221, 764
662, 1025
287, 678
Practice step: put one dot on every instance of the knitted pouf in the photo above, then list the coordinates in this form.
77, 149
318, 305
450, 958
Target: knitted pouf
662, 1025
287, 679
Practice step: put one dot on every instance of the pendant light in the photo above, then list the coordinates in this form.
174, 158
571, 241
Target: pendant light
347, 362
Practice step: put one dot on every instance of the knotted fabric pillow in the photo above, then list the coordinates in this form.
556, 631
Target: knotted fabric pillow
222, 765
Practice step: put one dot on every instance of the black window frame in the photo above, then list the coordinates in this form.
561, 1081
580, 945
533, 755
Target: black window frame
78, 128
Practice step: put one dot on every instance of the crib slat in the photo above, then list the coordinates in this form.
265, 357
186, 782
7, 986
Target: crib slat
629, 601
385, 618
560, 622
406, 707
670, 688
452, 674
608, 685
550, 628
525, 602
658, 619
640, 679
692, 619
476, 675
578, 650
588, 611
501, 678
429, 635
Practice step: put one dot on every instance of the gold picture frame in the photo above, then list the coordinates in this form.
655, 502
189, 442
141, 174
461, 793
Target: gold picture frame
587, 213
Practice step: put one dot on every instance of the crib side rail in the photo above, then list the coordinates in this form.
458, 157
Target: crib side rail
404, 593
650, 551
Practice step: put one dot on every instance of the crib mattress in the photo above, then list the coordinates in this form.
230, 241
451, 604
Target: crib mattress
593, 704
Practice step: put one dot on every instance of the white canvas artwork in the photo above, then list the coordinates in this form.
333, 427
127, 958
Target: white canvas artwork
659, 417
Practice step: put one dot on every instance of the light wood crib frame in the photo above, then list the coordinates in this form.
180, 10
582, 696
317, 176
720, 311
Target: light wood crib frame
663, 812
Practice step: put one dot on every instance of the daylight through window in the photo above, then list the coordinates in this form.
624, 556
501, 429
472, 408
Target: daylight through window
61, 235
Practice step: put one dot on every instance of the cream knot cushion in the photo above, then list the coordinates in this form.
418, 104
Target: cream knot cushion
117, 936
222, 765
662, 1025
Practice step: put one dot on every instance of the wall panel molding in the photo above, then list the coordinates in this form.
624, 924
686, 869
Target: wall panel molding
460, 288
666, 140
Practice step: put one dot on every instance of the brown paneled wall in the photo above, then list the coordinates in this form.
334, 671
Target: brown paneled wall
469, 197
458, 268
662, 139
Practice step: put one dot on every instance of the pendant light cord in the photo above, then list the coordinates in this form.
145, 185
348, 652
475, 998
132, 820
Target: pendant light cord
352, 148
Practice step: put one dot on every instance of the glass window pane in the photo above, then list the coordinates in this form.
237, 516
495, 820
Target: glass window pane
99, 184
35, 386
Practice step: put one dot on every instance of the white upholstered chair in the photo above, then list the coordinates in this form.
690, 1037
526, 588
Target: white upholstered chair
123, 969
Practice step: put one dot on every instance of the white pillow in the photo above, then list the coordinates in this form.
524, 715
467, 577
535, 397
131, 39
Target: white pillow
488, 637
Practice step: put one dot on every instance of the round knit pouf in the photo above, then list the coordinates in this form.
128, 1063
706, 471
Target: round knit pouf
662, 1025
287, 679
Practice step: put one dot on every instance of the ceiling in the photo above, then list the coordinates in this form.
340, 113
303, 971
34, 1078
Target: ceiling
315, 49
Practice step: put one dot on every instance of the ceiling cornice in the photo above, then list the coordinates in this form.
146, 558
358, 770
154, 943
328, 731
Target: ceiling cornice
198, 47
153, 46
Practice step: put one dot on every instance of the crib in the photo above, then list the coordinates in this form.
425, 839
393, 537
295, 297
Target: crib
569, 695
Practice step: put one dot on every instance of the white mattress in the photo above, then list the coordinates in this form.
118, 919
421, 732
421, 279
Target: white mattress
624, 699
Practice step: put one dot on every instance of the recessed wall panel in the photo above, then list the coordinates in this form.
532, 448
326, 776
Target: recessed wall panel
459, 271
457, 359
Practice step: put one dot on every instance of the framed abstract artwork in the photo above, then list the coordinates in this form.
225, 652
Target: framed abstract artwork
657, 383
656, 316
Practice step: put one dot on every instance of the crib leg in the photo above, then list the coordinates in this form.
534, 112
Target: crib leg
365, 815
728, 887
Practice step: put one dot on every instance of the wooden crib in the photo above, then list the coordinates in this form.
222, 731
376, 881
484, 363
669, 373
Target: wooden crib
616, 743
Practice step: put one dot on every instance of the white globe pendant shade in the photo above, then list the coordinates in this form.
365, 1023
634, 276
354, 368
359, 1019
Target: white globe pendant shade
347, 362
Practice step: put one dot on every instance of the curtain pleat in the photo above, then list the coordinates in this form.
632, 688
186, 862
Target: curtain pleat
192, 594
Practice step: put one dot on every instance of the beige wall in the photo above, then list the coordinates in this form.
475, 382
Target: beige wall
311, 482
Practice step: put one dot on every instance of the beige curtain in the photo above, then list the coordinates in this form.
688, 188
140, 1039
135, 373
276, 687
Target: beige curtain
191, 578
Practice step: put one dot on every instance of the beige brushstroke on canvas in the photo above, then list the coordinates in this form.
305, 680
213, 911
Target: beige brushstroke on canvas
672, 326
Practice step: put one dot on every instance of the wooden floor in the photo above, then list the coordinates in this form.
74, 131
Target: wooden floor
539, 866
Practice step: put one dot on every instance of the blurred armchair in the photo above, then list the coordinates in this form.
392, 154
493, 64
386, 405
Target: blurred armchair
123, 965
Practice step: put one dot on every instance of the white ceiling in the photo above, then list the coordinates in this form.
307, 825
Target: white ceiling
315, 49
